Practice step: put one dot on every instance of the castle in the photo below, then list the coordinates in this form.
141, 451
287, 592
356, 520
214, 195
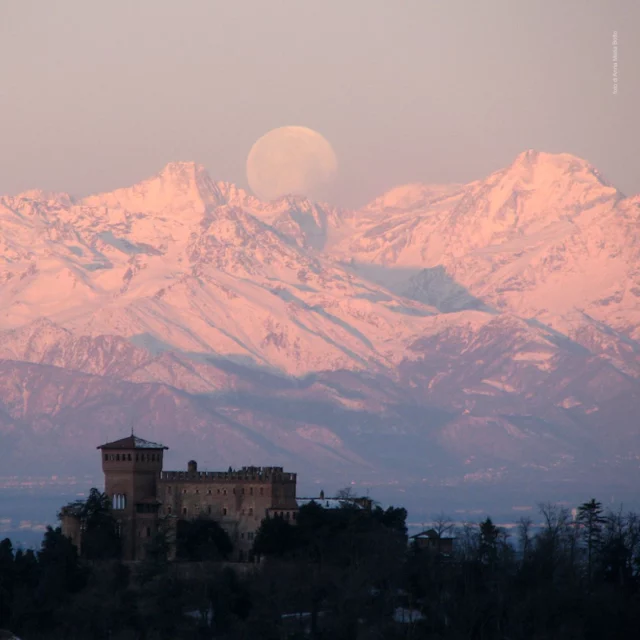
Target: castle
144, 497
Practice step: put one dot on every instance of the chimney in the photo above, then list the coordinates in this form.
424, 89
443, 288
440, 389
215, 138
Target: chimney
192, 466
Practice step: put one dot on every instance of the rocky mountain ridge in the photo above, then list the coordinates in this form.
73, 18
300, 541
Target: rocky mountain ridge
479, 331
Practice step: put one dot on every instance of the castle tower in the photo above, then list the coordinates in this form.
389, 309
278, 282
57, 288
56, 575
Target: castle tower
132, 467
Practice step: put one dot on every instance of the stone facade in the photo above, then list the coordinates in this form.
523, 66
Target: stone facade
238, 499
145, 498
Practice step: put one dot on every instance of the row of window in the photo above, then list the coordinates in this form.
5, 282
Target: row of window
287, 515
118, 501
126, 457
146, 508
185, 511
219, 491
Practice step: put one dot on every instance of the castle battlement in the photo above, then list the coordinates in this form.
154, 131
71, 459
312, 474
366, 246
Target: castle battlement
258, 475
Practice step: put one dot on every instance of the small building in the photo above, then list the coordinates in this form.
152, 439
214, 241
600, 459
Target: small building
430, 540
340, 502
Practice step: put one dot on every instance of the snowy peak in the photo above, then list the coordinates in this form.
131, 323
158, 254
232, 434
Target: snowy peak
556, 179
181, 187
412, 197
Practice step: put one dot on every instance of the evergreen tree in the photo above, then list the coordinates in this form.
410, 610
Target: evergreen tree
591, 522
100, 538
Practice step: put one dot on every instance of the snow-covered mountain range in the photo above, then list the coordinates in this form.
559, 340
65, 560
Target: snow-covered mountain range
454, 333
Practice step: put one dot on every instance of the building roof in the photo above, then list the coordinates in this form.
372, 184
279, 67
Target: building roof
431, 534
131, 442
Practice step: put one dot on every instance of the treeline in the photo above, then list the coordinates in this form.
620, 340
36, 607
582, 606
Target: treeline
347, 573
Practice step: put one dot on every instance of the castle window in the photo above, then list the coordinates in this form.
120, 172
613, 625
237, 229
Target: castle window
234, 491
225, 492
137, 458
242, 536
242, 490
209, 510
197, 490
184, 491
218, 491
295, 515
288, 516
106, 457
169, 510
129, 457
209, 492
117, 457
250, 491
224, 511
184, 511
148, 532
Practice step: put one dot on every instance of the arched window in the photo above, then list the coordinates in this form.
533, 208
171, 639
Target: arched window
118, 501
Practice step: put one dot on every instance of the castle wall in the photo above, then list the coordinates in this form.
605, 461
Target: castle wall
145, 498
71, 526
238, 500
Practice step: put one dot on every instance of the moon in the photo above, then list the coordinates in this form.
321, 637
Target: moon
291, 161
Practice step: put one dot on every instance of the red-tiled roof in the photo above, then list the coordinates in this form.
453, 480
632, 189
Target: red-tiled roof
132, 442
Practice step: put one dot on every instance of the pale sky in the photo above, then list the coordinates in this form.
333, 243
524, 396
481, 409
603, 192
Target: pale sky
96, 95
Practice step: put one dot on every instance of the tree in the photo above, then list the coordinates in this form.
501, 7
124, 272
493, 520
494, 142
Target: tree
7, 580
524, 537
488, 542
591, 522
100, 538
346, 493
393, 518
202, 539
275, 537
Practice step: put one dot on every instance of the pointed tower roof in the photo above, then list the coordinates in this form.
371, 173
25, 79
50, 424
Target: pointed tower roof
132, 442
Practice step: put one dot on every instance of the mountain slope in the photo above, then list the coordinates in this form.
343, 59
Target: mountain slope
458, 333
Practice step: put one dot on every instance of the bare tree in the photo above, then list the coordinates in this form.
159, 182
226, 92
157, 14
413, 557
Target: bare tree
524, 536
346, 493
442, 524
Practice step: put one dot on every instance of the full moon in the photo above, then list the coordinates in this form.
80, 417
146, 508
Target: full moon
291, 161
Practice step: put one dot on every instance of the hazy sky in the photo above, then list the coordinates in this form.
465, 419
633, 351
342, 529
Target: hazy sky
95, 95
